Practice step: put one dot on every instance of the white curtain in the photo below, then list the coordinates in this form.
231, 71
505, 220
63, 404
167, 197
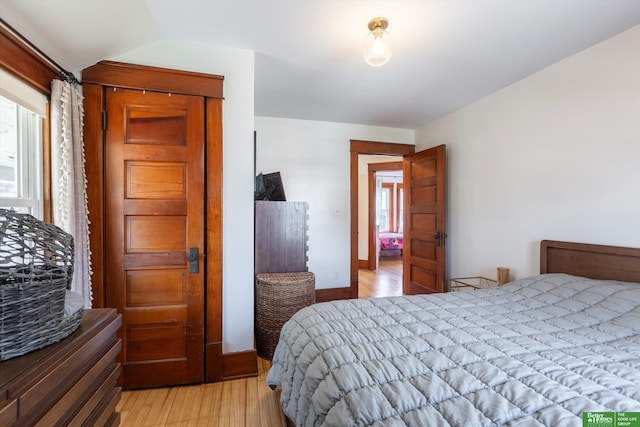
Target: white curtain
69, 184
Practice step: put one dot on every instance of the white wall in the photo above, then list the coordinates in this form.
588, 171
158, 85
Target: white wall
553, 156
237, 67
313, 160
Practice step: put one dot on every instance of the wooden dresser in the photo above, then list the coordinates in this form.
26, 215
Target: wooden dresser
70, 383
281, 238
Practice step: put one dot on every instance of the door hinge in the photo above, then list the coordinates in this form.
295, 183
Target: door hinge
104, 120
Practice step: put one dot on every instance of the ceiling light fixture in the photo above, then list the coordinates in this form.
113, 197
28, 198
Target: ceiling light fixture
377, 44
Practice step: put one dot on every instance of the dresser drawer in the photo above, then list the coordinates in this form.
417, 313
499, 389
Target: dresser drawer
65, 382
8, 412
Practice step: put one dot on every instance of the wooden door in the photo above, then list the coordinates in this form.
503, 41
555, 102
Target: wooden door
154, 161
424, 222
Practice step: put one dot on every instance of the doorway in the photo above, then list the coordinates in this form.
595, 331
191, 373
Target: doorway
383, 224
380, 224
359, 147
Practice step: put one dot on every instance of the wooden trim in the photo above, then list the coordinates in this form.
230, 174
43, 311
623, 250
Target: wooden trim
47, 204
381, 148
241, 364
30, 65
26, 62
371, 218
386, 166
589, 260
213, 358
365, 147
353, 268
94, 166
324, 295
363, 263
213, 303
141, 77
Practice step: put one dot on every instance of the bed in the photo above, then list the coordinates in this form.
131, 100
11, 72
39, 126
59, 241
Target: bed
539, 351
390, 244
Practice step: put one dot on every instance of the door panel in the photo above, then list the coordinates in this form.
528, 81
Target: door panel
156, 342
148, 288
424, 276
424, 219
423, 223
148, 180
143, 234
424, 194
155, 213
421, 249
151, 127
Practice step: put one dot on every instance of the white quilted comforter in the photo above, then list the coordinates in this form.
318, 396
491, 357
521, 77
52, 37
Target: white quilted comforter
538, 351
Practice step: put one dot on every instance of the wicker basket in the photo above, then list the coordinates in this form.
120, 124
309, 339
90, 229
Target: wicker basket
278, 297
36, 266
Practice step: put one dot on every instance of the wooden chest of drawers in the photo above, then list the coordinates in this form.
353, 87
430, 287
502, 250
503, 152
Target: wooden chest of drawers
70, 383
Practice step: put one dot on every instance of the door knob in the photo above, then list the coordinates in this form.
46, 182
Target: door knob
193, 260
439, 237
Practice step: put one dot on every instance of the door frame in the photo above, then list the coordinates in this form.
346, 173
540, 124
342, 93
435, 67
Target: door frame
366, 147
108, 74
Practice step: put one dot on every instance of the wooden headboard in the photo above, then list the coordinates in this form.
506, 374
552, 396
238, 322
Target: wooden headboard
593, 261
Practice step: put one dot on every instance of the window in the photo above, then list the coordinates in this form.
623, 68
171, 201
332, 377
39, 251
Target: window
20, 158
391, 199
384, 213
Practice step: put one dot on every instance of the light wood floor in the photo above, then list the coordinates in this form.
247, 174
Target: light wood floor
386, 281
244, 402
237, 403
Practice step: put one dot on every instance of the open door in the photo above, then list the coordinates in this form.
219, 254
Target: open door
423, 256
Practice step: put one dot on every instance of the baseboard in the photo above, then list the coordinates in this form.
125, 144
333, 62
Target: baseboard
324, 295
363, 263
240, 364
213, 368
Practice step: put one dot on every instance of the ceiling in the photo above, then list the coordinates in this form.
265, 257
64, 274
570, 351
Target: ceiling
308, 59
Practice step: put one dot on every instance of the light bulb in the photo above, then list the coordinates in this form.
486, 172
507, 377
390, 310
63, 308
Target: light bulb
377, 44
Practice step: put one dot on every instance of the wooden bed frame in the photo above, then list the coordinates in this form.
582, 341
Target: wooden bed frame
593, 261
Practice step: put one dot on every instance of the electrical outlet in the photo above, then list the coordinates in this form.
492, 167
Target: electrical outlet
336, 275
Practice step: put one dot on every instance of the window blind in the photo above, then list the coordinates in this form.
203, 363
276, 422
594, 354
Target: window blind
21, 93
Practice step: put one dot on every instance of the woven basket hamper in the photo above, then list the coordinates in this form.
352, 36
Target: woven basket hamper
278, 297
36, 266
